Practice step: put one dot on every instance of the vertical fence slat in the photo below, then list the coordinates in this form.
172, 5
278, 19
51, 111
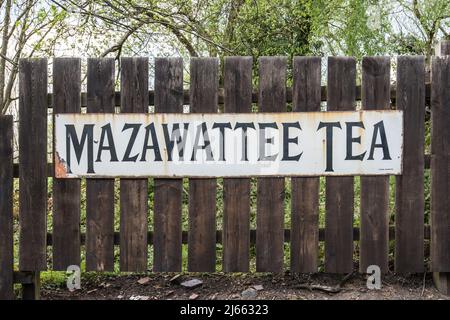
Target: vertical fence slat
6, 208
66, 192
341, 96
441, 279
236, 192
443, 48
270, 191
374, 235
100, 192
440, 168
33, 164
409, 219
202, 192
305, 191
133, 192
168, 193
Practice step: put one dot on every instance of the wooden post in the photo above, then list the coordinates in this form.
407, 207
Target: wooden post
270, 193
305, 190
339, 190
202, 192
66, 192
236, 192
168, 193
133, 192
409, 194
440, 175
6, 208
374, 239
33, 108
31, 290
100, 192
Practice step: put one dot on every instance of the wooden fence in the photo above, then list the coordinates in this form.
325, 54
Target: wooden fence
236, 237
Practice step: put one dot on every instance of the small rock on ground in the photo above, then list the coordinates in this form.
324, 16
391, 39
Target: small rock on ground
191, 284
250, 293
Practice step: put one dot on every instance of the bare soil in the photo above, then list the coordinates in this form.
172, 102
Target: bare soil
262, 286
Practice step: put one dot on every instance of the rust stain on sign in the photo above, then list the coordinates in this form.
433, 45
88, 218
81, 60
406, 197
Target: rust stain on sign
60, 167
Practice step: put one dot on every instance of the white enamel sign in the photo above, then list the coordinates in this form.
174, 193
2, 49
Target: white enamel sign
229, 145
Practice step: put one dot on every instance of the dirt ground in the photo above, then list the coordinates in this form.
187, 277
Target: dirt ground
247, 286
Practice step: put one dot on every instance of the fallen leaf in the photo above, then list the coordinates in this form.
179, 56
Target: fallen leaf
193, 296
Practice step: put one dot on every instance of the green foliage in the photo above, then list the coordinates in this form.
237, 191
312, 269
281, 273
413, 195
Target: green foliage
267, 27
352, 27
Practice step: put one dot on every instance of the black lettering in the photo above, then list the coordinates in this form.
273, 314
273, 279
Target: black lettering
263, 141
329, 137
351, 140
379, 127
222, 127
175, 137
287, 141
150, 130
107, 132
78, 146
244, 126
134, 132
201, 129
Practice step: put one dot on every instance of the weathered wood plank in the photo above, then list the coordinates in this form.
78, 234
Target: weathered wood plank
442, 48
442, 279
409, 186
305, 191
202, 192
31, 290
66, 193
33, 164
409, 219
168, 193
6, 209
374, 242
440, 170
339, 190
287, 236
100, 192
270, 191
236, 192
289, 95
133, 192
